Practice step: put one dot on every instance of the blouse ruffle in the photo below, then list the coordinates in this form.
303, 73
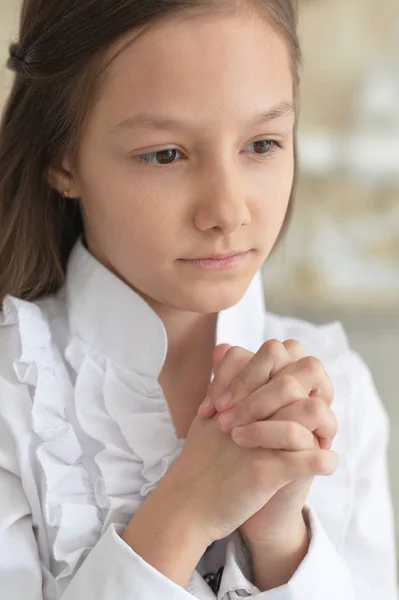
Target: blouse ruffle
83, 399
113, 411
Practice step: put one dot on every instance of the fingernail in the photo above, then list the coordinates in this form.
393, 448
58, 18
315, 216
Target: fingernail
205, 404
224, 400
227, 419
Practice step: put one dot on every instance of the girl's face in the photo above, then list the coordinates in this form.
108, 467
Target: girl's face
178, 160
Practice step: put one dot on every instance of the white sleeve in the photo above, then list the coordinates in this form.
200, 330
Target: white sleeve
369, 547
20, 571
364, 568
112, 570
322, 573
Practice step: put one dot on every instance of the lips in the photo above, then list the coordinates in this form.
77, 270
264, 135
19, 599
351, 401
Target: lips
220, 256
219, 262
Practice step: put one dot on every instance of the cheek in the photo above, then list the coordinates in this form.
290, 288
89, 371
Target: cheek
117, 202
275, 193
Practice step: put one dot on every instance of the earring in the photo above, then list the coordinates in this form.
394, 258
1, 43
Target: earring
67, 193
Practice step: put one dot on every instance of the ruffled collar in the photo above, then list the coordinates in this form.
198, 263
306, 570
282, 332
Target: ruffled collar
107, 314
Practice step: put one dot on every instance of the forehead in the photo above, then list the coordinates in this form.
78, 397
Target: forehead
211, 67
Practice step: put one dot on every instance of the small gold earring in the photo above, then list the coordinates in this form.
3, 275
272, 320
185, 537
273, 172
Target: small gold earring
67, 193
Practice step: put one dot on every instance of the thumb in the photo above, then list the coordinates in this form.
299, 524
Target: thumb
207, 408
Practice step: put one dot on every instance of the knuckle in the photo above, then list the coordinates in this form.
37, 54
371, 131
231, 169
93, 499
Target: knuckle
223, 373
239, 386
295, 346
234, 352
293, 434
323, 462
312, 364
290, 386
272, 347
317, 408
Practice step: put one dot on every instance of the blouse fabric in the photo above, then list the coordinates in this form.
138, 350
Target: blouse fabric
86, 434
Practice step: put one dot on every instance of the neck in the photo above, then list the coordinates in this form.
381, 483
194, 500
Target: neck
191, 336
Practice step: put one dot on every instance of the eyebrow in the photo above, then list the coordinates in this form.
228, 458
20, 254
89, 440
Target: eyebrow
147, 121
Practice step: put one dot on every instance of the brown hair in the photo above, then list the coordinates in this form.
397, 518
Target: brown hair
59, 74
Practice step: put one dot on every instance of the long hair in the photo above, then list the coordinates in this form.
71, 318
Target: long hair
59, 73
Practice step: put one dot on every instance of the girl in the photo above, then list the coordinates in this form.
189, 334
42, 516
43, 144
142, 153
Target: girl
146, 167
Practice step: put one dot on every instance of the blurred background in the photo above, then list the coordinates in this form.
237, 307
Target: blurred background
340, 258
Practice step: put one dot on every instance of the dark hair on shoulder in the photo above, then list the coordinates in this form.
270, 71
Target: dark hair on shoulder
59, 73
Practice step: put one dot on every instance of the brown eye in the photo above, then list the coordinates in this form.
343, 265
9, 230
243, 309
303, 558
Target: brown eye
263, 146
165, 157
162, 157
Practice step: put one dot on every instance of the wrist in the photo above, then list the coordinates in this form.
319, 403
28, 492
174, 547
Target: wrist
275, 561
191, 498
164, 533
278, 534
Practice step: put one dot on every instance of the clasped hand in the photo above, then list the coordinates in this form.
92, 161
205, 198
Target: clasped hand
277, 399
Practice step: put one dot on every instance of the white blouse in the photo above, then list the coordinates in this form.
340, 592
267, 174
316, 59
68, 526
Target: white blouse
86, 435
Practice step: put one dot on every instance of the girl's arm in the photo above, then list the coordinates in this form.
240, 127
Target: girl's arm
112, 570
364, 566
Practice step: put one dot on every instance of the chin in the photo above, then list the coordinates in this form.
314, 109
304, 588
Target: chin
212, 297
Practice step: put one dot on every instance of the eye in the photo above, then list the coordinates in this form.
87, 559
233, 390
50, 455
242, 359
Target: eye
167, 158
265, 147
162, 157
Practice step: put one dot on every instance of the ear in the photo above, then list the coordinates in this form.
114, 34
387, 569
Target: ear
61, 178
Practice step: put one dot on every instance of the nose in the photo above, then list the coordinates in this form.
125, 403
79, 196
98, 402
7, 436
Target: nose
222, 201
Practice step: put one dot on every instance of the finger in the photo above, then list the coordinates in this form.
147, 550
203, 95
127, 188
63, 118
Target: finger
304, 464
237, 366
294, 349
312, 376
207, 408
234, 361
307, 463
314, 414
263, 403
271, 357
325, 444
274, 435
218, 355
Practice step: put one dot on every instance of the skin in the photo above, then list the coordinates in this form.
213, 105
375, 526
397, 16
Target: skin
223, 186
245, 385
220, 191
